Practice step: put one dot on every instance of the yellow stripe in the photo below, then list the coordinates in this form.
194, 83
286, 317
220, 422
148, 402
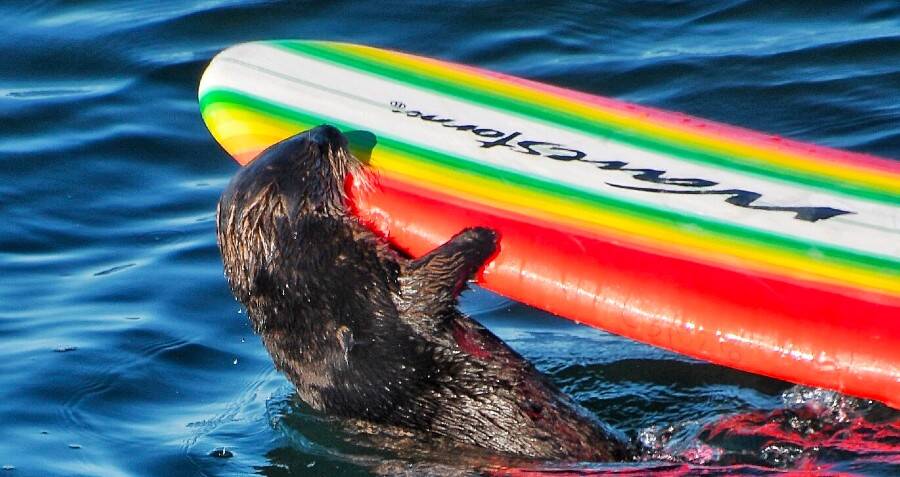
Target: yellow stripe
226, 122
240, 130
697, 244
780, 159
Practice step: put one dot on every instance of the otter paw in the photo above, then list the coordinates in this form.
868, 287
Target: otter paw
480, 235
479, 244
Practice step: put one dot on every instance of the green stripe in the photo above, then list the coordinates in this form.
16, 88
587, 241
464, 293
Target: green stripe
883, 266
494, 100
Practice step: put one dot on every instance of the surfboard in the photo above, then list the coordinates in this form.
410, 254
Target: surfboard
737, 247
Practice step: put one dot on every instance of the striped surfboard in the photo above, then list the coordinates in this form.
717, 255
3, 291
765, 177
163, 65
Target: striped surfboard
744, 249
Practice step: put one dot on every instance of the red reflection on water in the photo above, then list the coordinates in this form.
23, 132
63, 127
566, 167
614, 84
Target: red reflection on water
805, 429
805, 441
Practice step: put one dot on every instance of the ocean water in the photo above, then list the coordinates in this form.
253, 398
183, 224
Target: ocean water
122, 351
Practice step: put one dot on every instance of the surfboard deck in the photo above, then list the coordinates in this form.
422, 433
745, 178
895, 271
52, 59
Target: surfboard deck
744, 249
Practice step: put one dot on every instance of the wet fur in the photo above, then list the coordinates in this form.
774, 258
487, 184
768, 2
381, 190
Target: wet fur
368, 335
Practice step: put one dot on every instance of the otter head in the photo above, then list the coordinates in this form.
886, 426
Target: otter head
301, 176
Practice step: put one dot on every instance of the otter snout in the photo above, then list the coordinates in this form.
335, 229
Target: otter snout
327, 135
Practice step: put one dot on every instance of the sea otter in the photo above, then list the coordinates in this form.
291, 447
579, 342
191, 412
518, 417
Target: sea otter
374, 337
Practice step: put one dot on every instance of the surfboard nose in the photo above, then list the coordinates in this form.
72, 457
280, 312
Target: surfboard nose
327, 135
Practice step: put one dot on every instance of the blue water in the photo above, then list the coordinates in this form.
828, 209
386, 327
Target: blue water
122, 351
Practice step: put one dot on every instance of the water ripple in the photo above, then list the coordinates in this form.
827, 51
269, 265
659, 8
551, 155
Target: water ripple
124, 352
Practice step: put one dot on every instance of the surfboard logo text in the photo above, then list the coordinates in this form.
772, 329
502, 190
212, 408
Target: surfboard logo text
491, 138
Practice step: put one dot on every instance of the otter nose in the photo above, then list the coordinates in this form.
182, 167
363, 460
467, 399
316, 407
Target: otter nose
327, 134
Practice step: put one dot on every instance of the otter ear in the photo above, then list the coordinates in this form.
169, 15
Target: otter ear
438, 277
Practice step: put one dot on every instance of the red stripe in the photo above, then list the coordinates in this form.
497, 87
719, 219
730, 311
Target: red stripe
745, 321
